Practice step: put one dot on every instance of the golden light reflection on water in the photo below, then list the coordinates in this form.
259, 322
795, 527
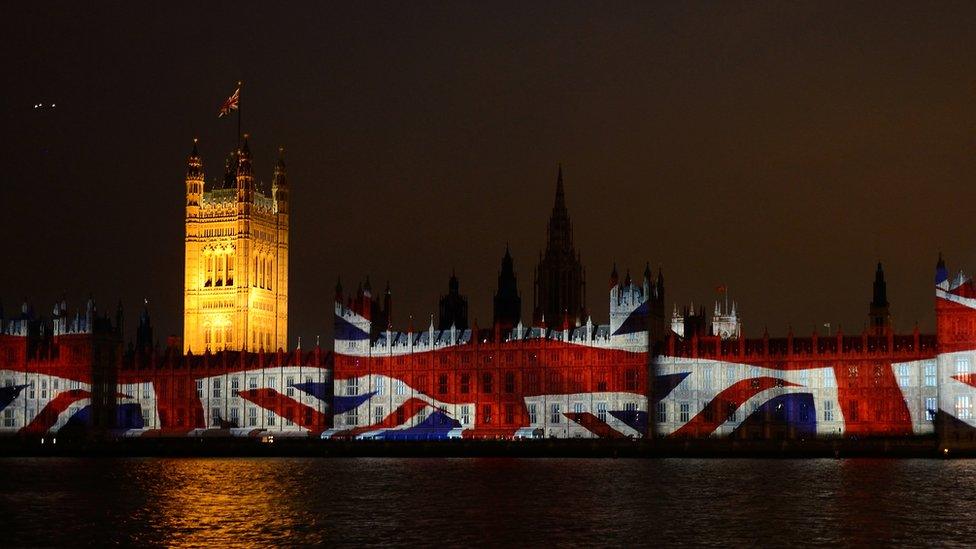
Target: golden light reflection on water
503, 502
201, 502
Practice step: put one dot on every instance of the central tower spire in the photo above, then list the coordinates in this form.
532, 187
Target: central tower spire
560, 281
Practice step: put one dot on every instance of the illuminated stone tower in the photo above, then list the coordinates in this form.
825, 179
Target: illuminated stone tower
236, 271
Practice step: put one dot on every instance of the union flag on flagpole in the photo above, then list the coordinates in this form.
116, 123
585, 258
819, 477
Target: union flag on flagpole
231, 104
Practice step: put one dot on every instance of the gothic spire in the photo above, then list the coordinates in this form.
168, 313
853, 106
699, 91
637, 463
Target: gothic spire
280, 177
880, 288
507, 303
560, 202
244, 162
194, 165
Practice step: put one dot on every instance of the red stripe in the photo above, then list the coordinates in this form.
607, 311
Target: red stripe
734, 396
46, 419
968, 379
594, 425
288, 408
410, 408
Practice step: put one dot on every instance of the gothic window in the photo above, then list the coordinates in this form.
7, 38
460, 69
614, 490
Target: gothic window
930, 376
210, 271
219, 267
254, 275
554, 382
270, 274
509, 382
230, 269
554, 413
601, 383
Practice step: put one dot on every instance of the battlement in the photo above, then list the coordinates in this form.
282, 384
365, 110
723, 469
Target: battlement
628, 327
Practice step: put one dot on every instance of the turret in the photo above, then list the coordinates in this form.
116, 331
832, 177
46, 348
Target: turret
941, 272
507, 302
245, 174
119, 321
194, 181
878, 310
453, 307
144, 332
614, 278
279, 183
387, 307
647, 279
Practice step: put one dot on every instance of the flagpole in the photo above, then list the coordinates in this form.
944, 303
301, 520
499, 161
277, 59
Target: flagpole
240, 88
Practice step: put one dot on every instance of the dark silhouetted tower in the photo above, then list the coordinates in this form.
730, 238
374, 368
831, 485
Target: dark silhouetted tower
878, 311
508, 304
560, 280
453, 307
144, 332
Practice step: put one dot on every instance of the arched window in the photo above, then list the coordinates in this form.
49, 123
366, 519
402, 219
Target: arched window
219, 260
209, 271
230, 269
254, 275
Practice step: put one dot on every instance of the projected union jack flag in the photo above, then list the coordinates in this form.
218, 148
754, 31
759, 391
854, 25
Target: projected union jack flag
598, 381
566, 381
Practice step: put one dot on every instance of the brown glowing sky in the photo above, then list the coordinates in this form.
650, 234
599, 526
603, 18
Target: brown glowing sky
780, 150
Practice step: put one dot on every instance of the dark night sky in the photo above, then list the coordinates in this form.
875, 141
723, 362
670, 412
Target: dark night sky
780, 150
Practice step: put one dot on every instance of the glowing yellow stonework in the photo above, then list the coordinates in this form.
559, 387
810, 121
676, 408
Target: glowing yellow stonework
236, 272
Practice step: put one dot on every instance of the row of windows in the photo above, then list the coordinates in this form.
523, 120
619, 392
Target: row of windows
218, 337
532, 357
253, 419
219, 232
464, 413
263, 276
216, 388
733, 413
531, 383
219, 271
706, 377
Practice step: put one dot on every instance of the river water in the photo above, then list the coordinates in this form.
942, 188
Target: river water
475, 501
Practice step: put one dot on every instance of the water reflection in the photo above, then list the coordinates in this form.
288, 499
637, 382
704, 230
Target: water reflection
456, 502
205, 501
